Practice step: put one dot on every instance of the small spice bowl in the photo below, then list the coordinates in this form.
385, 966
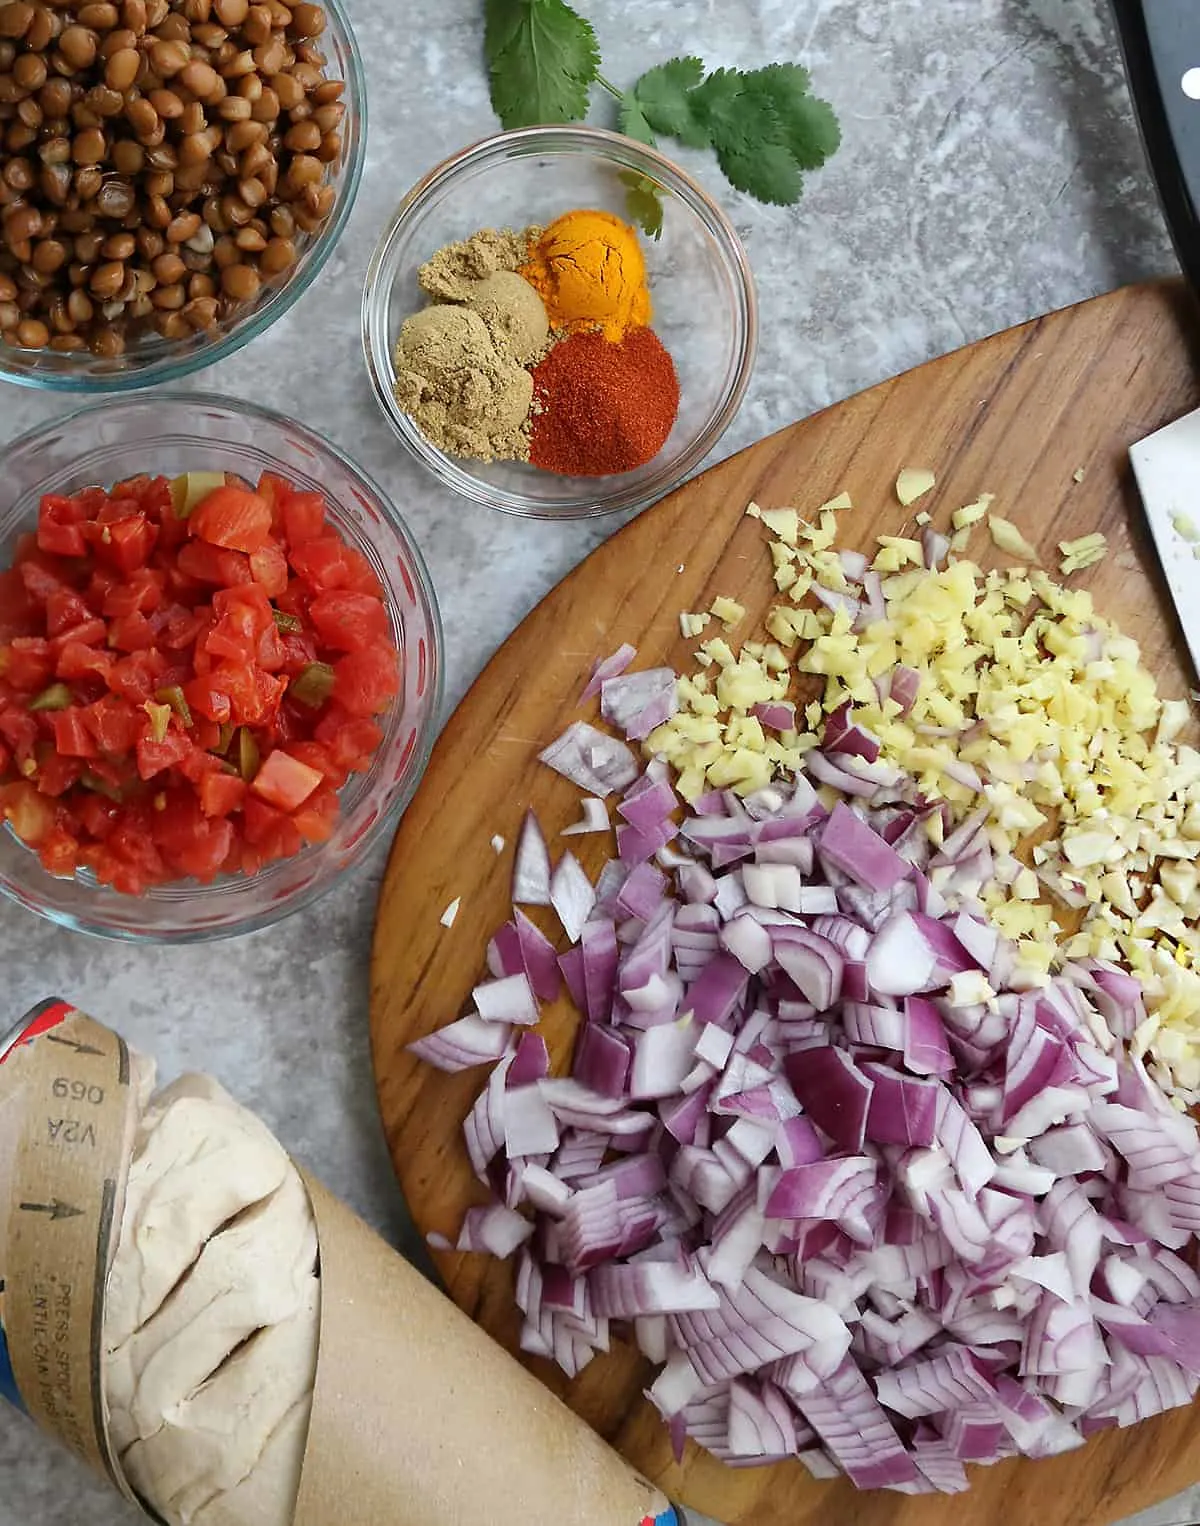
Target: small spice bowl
705, 309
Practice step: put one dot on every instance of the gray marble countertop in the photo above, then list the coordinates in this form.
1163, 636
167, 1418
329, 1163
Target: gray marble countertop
991, 171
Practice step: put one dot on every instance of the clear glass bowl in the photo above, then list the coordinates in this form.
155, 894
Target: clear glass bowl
154, 359
180, 432
700, 283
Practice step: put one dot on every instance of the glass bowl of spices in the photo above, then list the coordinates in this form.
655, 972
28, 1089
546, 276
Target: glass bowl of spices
173, 177
538, 350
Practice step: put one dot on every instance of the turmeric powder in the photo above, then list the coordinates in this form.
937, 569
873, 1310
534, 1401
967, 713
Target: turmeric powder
589, 270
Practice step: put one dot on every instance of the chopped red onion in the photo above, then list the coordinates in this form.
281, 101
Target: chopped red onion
472, 1040
509, 1000
591, 759
606, 668
572, 896
640, 702
595, 819
531, 866
856, 1213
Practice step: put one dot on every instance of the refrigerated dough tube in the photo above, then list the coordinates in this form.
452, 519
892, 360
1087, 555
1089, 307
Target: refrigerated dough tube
212, 1315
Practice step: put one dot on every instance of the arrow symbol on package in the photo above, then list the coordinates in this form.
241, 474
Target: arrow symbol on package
73, 1044
55, 1209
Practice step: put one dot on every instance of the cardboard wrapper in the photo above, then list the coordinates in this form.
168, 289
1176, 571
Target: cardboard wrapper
418, 1419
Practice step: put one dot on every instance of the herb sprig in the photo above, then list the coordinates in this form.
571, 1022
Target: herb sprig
764, 125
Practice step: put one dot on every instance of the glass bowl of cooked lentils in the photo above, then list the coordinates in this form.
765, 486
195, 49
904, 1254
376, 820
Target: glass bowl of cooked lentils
174, 175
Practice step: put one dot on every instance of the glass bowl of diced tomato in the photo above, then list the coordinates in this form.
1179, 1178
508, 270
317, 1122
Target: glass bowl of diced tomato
220, 668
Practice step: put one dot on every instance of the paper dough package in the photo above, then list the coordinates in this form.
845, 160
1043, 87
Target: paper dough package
228, 1344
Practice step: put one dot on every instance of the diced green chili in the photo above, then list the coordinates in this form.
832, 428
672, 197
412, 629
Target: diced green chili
288, 625
224, 738
174, 696
99, 786
313, 685
248, 754
56, 697
190, 490
160, 719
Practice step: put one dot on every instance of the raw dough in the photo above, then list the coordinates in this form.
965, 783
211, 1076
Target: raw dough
212, 1315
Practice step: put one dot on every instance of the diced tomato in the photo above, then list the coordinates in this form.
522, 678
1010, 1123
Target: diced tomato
360, 575
211, 564
64, 609
232, 518
141, 593
59, 853
78, 661
71, 734
319, 757
285, 782
137, 676
115, 724
18, 610
60, 527
30, 814
221, 793
205, 733
317, 817
321, 563
124, 544
153, 757
56, 774
303, 517
90, 633
119, 600
26, 663
351, 740
97, 814
298, 650
181, 627
131, 633
273, 489
204, 857
366, 682
20, 730
269, 569
348, 622
207, 700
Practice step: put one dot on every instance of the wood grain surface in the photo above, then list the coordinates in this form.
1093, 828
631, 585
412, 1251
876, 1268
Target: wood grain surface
1015, 415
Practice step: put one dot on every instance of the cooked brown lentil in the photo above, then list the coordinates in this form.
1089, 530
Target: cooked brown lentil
160, 160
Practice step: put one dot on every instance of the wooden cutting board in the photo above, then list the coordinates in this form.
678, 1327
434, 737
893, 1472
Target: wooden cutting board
1016, 415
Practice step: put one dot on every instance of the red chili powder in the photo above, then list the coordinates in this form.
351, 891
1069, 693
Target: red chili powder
605, 407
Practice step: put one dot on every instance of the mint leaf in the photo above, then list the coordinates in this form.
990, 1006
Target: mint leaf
736, 118
664, 96
542, 59
632, 121
808, 125
644, 203
767, 171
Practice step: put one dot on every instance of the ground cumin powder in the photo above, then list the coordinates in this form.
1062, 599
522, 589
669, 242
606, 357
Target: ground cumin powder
467, 397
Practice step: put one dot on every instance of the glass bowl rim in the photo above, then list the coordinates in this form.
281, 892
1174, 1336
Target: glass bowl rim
281, 301
605, 145
427, 735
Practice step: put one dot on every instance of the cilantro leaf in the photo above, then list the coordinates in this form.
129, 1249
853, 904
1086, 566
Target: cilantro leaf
542, 58
644, 203
664, 96
736, 118
767, 171
809, 126
632, 121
